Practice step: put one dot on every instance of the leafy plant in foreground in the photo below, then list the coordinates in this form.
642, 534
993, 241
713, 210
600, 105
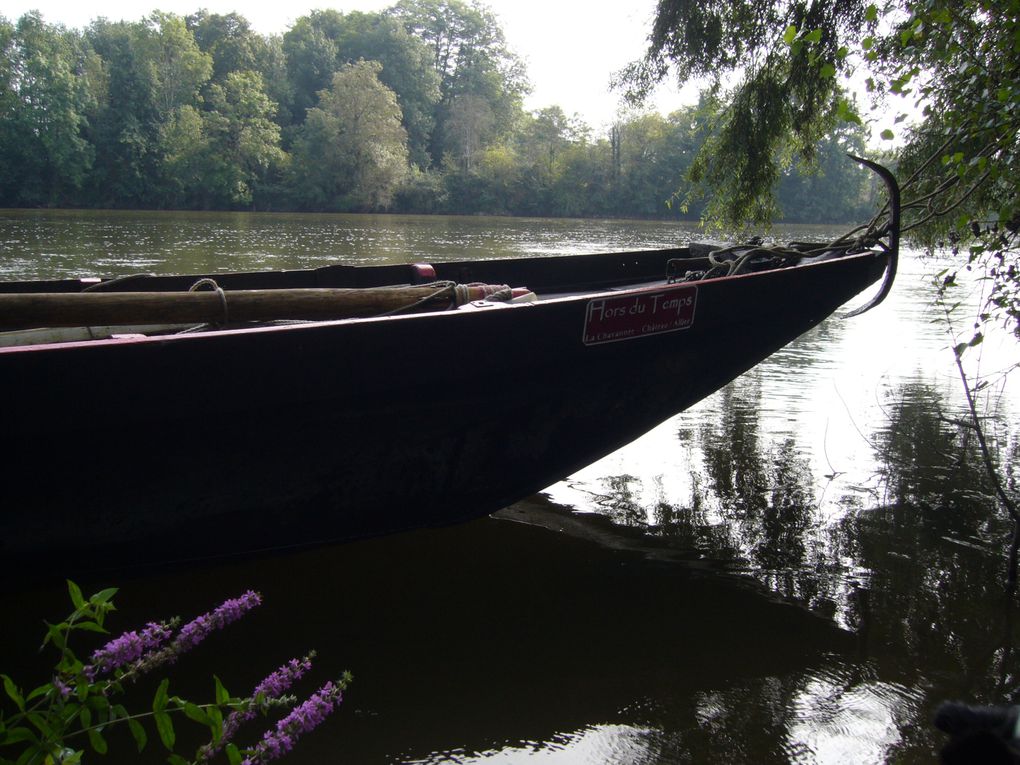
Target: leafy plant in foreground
51, 723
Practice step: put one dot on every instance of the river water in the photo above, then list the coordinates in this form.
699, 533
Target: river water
798, 569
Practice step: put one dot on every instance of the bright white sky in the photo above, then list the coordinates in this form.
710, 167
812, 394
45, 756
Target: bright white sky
571, 47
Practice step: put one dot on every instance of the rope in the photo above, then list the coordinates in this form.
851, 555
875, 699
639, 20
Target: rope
211, 283
504, 295
441, 289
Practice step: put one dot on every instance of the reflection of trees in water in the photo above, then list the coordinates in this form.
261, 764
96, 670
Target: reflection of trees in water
919, 579
763, 492
620, 502
925, 458
751, 501
934, 554
922, 572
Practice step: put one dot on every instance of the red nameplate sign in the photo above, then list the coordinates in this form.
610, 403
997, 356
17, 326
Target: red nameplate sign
609, 320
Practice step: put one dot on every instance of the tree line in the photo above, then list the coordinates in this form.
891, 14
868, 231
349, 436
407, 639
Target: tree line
418, 108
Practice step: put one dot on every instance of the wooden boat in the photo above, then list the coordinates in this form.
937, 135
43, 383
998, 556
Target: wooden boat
157, 442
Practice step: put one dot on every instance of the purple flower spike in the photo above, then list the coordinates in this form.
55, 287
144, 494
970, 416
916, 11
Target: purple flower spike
273, 687
197, 630
302, 719
280, 681
127, 648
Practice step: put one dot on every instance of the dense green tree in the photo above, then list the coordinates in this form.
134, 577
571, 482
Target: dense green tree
153, 72
832, 188
228, 40
43, 106
583, 187
242, 141
544, 141
351, 152
124, 131
201, 112
474, 64
9, 108
771, 66
184, 168
468, 126
953, 64
313, 56
406, 70
178, 67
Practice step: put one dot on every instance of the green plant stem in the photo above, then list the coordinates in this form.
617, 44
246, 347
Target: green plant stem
993, 474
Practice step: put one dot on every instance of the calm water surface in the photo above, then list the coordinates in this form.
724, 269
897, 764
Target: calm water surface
798, 569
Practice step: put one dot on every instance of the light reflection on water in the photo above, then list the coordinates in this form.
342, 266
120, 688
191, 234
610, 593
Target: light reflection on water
826, 475
620, 744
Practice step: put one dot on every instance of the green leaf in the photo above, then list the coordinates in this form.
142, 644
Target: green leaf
90, 627
234, 754
176, 759
165, 729
17, 735
868, 43
222, 697
141, 739
162, 698
42, 723
97, 741
103, 596
13, 692
215, 723
42, 690
814, 36
888, 135
75, 592
845, 112
827, 71
790, 34
959, 349
119, 712
55, 635
976, 340
196, 713
871, 13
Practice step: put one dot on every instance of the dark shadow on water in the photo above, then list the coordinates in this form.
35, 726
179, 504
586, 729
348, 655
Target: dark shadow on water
487, 636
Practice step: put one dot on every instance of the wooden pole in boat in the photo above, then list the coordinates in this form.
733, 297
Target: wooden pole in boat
24, 311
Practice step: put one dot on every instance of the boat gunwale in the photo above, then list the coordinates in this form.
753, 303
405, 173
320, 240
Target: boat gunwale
474, 308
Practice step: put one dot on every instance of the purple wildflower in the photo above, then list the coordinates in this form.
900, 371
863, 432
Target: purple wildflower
280, 681
63, 689
273, 687
127, 648
189, 636
302, 719
197, 630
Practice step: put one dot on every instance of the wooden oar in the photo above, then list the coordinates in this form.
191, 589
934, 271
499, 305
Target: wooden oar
21, 311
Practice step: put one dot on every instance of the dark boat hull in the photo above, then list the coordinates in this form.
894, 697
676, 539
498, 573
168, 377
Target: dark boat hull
238, 441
